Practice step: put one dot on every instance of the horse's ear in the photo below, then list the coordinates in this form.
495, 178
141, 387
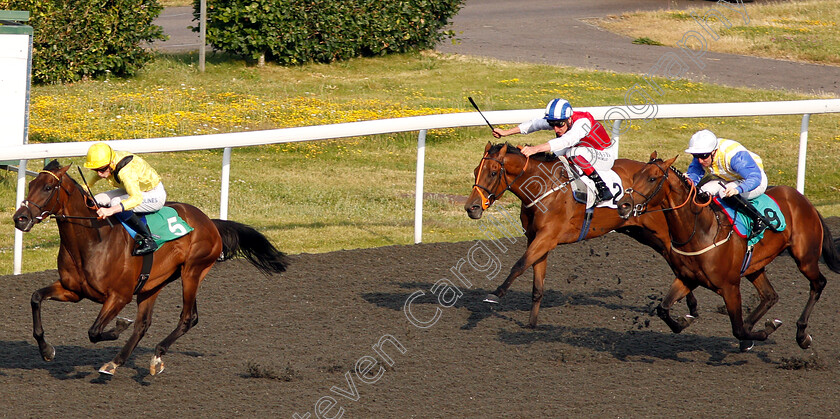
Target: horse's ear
653, 155
64, 169
487, 147
669, 162
503, 151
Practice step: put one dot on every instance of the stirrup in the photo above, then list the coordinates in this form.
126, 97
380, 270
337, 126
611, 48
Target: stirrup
604, 194
144, 247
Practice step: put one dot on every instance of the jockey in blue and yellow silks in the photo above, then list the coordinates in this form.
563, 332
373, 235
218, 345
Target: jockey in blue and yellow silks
139, 189
741, 169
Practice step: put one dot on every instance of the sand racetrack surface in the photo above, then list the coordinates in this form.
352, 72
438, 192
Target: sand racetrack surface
289, 345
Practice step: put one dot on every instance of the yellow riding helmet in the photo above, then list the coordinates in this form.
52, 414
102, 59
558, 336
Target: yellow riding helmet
99, 155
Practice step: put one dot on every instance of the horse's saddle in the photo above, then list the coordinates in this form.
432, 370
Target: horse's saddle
165, 225
583, 188
743, 224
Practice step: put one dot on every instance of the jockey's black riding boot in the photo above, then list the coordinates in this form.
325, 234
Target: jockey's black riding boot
744, 206
144, 243
604, 193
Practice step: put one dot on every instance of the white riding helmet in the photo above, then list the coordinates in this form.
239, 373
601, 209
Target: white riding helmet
703, 141
558, 109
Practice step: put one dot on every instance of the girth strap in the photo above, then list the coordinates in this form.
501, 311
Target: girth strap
144, 272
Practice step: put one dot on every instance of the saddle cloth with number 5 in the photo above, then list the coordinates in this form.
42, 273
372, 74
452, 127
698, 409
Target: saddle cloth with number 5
165, 225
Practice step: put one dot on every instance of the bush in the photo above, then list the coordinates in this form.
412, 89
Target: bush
80, 39
301, 31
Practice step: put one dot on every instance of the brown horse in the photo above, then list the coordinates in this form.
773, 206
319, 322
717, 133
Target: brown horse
553, 217
705, 252
95, 262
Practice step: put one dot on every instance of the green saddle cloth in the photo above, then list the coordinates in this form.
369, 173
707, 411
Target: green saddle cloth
167, 225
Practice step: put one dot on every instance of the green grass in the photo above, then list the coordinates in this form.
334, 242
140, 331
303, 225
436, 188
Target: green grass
354, 193
807, 31
646, 41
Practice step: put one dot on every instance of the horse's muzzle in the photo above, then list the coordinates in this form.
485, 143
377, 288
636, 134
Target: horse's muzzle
23, 219
625, 209
474, 211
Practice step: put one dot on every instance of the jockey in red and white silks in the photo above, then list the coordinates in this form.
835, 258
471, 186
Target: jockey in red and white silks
579, 137
586, 142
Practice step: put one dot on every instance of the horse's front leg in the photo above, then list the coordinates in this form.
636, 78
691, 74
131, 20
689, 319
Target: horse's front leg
678, 290
537, 292
767, 296
691, 302
53, 292
110, 308
537, 250
145, 303
732, 298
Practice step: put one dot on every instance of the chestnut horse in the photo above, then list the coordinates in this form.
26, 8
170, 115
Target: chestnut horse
705, 252
557, 218
95, 262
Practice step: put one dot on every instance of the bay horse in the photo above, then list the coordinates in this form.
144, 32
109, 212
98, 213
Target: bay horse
558, 219
705, 252
95, 262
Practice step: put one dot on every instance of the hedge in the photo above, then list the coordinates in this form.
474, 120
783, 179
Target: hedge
301, 31
80, 39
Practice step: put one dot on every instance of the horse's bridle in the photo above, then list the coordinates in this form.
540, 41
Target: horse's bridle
51, 212
485, 200
44, 213
639, 209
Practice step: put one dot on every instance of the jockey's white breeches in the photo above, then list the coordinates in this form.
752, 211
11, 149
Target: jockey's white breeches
716, 187
153, 199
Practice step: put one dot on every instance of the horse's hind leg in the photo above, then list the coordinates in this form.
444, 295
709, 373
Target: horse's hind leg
191, 278
52, 292
817, 284
678, 290
767, 296
537, 292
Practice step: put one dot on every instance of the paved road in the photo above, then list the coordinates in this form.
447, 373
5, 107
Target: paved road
552, 32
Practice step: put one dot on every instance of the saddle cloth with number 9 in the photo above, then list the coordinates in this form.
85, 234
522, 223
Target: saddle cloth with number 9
165, 225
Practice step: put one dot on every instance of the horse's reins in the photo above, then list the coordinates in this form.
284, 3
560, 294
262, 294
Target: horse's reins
640, 209
485, 200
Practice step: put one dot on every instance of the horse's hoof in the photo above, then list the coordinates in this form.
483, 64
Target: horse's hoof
48, 352
108, 369
805, 343
491, 298
685, 321
156, 367
122, 324
746, 345
771, 325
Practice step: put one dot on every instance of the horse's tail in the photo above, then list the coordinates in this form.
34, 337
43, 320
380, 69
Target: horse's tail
830, 253
244, 240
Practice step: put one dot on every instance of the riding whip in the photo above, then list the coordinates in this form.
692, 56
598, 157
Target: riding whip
479, 112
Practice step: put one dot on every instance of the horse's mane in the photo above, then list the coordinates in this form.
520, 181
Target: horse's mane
680, 175
53, 165
512, 149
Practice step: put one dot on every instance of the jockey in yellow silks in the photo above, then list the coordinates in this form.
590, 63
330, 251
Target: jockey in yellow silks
138, 189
